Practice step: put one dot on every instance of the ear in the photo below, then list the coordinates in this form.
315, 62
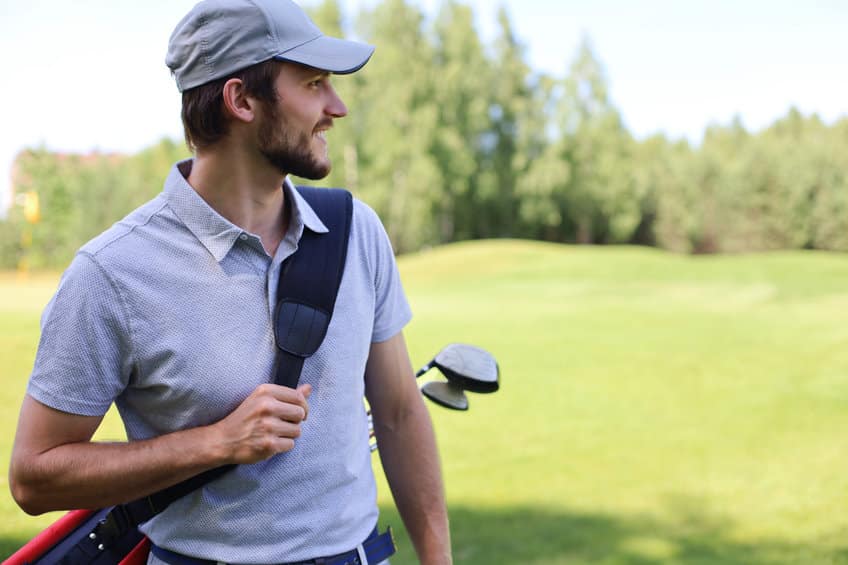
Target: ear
238, 105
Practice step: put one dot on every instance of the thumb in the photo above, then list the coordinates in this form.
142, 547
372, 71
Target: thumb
305, 390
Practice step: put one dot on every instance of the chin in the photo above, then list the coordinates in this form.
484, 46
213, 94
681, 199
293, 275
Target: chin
316, 171
300, 165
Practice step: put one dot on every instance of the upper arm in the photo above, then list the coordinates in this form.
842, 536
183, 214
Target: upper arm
389, 379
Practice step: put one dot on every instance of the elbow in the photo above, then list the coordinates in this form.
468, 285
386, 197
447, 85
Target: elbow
26, 494
401, 417
27, 504
26, 501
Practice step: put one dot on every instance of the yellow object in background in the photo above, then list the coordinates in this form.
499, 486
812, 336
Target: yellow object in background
32, 211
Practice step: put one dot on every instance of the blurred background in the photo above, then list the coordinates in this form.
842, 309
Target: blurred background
641, 208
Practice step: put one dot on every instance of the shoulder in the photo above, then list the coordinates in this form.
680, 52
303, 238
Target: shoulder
366, 221
120, 236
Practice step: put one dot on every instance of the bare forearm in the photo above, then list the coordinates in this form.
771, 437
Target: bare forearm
93, 475
411, 463
55, 466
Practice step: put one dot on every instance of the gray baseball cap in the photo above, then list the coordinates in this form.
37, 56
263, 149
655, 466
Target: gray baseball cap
219, 37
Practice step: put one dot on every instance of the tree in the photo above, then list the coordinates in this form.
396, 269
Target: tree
829, 214
665, 174
581, 187
463, 135
394, 123
601, 197
517, 126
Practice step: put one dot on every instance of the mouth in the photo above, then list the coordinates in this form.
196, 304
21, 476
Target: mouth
320, 132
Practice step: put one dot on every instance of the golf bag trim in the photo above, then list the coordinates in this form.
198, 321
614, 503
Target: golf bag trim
306, 296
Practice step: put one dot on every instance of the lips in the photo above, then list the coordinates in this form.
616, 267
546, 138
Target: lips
320, 130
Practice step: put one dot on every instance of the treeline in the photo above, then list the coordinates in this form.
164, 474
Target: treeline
79, 196
450, 138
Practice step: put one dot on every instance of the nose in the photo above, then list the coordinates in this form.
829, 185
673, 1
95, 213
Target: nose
335, 107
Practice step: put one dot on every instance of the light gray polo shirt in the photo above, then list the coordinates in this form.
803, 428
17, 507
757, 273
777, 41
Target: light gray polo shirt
168, 315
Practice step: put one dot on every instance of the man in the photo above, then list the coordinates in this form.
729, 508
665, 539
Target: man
168, 314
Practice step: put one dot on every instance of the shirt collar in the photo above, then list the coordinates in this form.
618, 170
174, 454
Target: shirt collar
300, 207
214, 231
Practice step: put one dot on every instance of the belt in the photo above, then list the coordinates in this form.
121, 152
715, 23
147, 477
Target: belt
375, 548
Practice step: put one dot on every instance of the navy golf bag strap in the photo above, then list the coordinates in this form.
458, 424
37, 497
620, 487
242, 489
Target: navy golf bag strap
306, 295
309, 282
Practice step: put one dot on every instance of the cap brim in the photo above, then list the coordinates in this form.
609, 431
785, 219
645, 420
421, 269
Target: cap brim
339, 56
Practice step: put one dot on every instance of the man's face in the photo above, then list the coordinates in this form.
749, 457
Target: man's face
292, 129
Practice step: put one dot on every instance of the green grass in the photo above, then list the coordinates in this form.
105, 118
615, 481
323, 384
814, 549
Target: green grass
654, 408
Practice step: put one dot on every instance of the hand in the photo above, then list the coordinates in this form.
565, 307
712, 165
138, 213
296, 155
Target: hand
266, 423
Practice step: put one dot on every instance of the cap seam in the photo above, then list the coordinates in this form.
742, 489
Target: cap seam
204, 44
316, 38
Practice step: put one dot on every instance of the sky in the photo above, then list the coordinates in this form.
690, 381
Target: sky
90, 74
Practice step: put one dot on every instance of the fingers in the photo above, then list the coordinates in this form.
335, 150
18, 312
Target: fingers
267, 422
305, 390
276, 428
284, 401
281, 409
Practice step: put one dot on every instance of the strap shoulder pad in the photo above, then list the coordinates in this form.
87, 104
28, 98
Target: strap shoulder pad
309, 282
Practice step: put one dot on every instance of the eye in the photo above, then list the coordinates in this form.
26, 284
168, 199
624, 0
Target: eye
319, 81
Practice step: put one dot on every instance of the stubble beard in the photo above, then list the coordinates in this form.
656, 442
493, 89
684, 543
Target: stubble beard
288, 151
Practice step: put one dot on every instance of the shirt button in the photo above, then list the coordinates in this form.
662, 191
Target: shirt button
243, 237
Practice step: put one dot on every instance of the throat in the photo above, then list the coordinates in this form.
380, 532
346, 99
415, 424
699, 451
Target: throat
273, 233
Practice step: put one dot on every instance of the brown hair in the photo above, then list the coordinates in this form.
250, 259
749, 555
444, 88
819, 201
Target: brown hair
204, 120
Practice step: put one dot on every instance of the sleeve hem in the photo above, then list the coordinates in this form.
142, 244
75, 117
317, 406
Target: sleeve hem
390, 331
64, 404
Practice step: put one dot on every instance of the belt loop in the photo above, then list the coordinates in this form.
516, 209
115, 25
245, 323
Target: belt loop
360, 551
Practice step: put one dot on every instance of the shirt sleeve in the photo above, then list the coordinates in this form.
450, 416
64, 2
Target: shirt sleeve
391, 308
83, 360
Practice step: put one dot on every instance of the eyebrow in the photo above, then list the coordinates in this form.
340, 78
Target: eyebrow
312, 72
305, 71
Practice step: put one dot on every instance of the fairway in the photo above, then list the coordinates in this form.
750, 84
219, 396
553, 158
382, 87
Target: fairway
654, 408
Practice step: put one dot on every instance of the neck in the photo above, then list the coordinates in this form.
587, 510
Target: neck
244, 190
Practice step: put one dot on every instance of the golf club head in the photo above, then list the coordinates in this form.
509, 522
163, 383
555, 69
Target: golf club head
445, 394
468, 367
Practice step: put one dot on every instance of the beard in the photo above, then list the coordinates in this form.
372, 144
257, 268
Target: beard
287, 150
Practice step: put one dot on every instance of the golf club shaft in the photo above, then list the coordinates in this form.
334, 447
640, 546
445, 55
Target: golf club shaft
424, 369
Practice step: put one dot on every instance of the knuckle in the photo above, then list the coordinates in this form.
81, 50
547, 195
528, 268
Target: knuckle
263, 426
263, 447
295, 414
266, 407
